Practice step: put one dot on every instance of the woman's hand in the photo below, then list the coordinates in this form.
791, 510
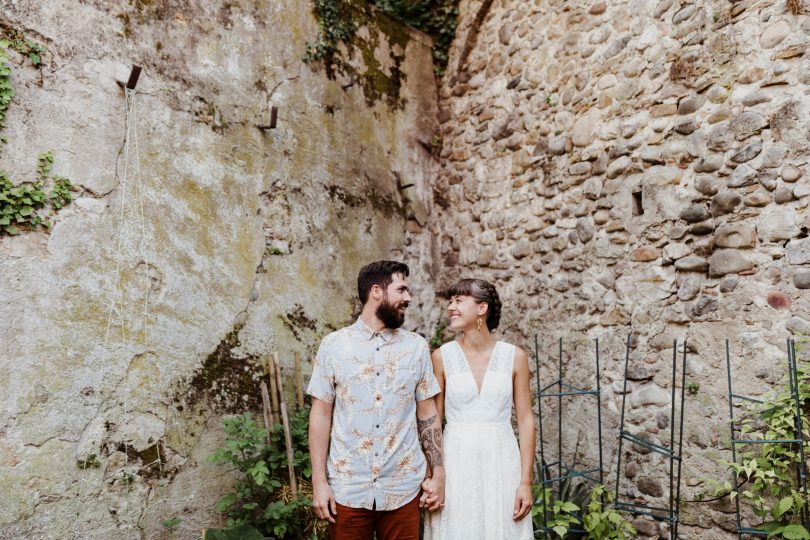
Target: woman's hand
523, 501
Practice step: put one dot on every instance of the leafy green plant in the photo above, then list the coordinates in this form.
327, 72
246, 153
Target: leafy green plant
577, 510
692, 387
239, 532
437, 18
171, 524
438, 338
22, 205
44, 164
6, 92
766, 472
89, 462
604, 522
556, 513
336, 24
19, 204
262, 498
18, 41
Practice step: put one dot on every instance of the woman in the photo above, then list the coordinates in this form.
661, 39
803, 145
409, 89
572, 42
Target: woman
488, 490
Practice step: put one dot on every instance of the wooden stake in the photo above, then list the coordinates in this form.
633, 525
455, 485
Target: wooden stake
299, 382
266, 411
272, 363
285, 420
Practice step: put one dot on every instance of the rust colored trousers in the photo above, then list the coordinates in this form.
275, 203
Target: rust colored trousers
361, 524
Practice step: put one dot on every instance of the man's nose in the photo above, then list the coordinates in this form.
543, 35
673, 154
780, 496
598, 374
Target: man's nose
408, 296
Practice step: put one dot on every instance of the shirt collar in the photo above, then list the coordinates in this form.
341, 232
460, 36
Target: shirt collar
386, 333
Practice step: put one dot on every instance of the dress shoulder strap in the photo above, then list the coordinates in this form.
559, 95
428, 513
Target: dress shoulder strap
452, 360
503, 357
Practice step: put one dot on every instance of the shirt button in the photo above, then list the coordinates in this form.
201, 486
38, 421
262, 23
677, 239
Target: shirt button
378, 425
376, 454
378, 348
378, 374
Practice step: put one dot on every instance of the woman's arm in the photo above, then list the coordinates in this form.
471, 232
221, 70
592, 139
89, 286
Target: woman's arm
438, 371
525, 417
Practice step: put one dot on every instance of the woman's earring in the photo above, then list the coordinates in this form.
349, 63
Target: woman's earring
478, 322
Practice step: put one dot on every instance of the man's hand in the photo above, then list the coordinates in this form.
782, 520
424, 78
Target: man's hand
433, 491
323, 501
523, 501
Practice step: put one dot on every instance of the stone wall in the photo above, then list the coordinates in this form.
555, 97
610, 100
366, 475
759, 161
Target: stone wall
635, 166
249, 240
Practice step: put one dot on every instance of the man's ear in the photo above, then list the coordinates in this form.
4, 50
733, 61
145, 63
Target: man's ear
376, 292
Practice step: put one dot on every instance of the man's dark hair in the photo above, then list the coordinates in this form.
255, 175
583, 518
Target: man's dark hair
378, 273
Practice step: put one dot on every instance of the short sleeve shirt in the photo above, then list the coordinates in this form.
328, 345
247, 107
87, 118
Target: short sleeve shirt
374, 380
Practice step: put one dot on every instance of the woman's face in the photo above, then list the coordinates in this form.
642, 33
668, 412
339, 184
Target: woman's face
464, 312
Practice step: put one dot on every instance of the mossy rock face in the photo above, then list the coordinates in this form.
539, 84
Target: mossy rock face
375, 36
226, 380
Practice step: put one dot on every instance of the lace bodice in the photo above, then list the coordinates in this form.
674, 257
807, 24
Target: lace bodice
462, 401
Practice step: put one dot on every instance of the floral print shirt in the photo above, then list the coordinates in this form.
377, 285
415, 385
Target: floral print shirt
374, 380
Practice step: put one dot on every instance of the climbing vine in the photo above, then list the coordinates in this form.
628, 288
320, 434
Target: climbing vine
336, 24
27, 204
6, 92
437, 18
766, 473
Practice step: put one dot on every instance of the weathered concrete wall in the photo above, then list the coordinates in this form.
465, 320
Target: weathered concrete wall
250, 240
629, 164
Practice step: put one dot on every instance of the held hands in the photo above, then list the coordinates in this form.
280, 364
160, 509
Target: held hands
323, 501
523, 501
432, 497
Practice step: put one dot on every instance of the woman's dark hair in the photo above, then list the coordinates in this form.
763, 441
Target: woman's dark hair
481, 291
378, 273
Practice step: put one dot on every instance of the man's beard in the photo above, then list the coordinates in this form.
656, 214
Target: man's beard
390, 314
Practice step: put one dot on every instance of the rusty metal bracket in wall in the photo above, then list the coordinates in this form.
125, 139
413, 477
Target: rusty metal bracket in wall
273, 120
132, 82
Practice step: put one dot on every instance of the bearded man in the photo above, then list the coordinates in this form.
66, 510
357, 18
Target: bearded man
372, 391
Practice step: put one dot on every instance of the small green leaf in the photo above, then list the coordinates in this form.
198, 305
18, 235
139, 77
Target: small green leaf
795, 532
560, 530
782, 506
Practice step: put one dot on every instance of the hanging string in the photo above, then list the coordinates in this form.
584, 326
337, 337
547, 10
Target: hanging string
119, 301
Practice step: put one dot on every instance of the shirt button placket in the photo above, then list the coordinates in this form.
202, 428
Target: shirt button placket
377, 410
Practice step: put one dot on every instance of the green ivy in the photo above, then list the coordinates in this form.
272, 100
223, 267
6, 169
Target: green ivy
20, 205
6, 92
261, 499
437, 18
336, 24
25, 205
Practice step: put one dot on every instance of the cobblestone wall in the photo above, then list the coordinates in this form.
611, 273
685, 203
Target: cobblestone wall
635, 165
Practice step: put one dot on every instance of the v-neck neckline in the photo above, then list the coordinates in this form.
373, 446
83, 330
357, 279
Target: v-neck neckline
480, 389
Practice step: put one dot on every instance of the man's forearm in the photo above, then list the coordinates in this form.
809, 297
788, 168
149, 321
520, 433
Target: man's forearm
430, 435
319, 427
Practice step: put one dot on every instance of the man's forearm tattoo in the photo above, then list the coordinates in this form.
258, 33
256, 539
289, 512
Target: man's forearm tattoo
431, 438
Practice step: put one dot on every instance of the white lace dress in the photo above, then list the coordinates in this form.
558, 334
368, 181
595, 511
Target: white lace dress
481, 455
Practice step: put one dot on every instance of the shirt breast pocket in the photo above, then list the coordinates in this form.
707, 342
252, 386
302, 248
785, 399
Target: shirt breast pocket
405, 380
